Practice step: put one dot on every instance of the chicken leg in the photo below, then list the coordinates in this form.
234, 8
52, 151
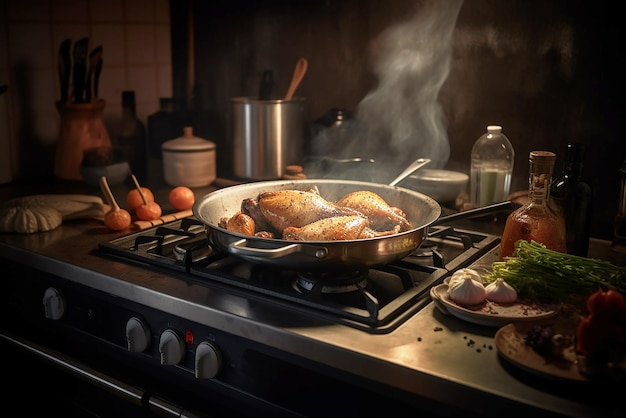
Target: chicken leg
381, 215
296, 208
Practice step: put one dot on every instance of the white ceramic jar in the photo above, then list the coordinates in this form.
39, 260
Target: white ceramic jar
189, 160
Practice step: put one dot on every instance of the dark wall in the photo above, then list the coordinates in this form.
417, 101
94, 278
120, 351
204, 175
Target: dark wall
548, 71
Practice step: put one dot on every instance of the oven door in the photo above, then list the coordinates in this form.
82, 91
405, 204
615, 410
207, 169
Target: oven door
58, 383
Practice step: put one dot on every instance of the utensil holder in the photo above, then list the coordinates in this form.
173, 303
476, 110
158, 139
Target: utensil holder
81, 127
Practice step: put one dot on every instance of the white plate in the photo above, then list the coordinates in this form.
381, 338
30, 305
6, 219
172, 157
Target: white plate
489, 313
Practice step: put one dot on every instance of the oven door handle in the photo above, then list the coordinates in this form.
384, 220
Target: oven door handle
121, 390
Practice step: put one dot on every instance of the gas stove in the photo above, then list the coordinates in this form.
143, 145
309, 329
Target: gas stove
375, 300
158, 323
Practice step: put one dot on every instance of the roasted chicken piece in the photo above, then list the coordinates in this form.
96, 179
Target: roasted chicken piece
251, 208
381, 215
240, 223
295, 208
328, 229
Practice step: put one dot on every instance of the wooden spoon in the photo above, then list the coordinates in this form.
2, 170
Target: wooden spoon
298, 74
116, 219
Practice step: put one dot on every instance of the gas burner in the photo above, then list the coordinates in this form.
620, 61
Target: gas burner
196, 248
335, 282
424, 250
375, 300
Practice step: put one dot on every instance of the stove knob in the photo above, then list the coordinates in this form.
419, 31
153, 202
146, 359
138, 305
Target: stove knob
53, 303
171, 347
137, 335
208, 361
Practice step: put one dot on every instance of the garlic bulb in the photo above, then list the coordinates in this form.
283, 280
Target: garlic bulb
500, 291
466, 291
465, 273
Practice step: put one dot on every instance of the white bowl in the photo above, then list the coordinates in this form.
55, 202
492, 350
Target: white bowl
441, 185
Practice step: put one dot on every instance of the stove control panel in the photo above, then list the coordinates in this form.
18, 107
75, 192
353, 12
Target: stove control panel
208, 361
171, 347
54, 304
137, 335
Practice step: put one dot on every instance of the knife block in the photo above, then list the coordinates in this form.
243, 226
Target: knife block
81, 127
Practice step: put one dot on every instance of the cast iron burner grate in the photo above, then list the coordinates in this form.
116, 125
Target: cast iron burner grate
376, 300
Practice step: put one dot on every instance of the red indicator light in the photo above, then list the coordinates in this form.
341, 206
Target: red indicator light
188, 337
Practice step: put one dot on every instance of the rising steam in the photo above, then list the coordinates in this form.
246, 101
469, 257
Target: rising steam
403, 115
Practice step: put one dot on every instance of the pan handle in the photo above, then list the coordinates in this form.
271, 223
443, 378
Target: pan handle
495, 207
241, 248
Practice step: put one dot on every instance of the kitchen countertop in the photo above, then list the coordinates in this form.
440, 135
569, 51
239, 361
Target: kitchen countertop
431, 355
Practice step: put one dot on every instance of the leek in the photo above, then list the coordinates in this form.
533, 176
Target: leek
539, 273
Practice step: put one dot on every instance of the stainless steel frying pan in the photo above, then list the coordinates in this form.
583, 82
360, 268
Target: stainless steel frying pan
421, 210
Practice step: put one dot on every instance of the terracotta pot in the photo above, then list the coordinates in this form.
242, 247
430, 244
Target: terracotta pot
81, 128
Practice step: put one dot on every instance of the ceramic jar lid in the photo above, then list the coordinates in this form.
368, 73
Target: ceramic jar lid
188, 142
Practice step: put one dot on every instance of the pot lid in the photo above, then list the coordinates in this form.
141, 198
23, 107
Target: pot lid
188, 142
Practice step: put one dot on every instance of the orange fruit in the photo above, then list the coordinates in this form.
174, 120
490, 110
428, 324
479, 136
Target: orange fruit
148, 212
134, 200
117, 220
182, 198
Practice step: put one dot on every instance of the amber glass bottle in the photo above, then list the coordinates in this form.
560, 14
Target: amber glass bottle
536, 220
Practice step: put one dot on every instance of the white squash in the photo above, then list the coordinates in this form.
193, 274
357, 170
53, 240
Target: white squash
40, 213
29, 218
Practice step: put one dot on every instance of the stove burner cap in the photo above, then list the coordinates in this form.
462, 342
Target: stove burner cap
332, 282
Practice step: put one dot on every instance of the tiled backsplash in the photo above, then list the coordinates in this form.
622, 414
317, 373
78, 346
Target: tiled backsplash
135, 37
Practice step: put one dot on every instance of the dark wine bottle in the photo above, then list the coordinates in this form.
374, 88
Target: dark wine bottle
131, 136
573, 195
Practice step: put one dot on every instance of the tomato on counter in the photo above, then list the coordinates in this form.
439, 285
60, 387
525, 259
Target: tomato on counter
604, 329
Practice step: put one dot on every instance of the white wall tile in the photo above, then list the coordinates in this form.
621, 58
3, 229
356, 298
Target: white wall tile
4, 48
144, 81
31, 45
46, 127
69, 10
162, 11
28, 10
112, 82
139, 11
137, 56
163, 44
141, 40
164, 88
111, 37
73, 31
41, 101
106, 11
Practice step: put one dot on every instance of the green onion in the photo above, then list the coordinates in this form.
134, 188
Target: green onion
539, 273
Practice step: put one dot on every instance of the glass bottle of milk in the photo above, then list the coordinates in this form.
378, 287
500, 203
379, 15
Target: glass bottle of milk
491, 167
